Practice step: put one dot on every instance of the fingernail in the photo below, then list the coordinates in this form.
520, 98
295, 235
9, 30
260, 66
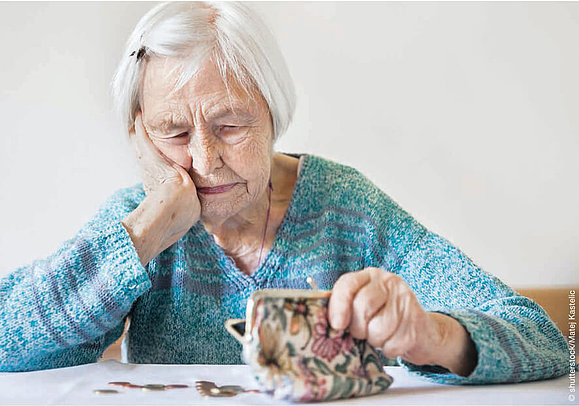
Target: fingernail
338, 322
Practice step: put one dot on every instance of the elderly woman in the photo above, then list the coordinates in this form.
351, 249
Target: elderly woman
204, 93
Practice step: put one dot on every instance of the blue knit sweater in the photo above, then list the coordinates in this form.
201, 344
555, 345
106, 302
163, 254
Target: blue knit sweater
68, 308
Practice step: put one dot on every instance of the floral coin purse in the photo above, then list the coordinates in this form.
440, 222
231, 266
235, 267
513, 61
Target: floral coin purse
295, 354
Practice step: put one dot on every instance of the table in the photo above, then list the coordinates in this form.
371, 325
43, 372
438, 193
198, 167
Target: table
75, 385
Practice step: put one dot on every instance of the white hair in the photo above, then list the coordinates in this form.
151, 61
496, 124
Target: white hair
229, 32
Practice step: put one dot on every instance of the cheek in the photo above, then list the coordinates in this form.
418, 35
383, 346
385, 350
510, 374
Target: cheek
251, 161
177, 153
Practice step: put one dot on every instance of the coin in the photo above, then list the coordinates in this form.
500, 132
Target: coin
231, 389
176, 386
119, 383
216, 393
131, 386
153, 387
105, 391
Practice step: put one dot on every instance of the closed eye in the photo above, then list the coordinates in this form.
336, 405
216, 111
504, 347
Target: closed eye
228, 128
232, 133
179, 139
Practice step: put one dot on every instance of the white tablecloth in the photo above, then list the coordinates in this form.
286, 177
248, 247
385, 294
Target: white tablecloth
75, 385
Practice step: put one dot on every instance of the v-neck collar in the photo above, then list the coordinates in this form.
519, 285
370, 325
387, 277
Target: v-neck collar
273, 260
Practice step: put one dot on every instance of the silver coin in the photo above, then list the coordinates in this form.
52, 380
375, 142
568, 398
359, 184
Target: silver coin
153, 387
105, 391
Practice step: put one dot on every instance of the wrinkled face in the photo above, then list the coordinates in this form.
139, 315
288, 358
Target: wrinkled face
225, 143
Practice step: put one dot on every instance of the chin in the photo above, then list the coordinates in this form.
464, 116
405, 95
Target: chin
221, 210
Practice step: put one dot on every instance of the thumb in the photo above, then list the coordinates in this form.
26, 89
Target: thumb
145, 149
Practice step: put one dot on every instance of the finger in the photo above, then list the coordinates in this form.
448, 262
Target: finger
391, 319
155, 165
406, 341
144, 146
401, 343
343, 293
367, 302
383, 325
185, 177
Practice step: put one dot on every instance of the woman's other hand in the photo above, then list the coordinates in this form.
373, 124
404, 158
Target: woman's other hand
171, 206
379, 306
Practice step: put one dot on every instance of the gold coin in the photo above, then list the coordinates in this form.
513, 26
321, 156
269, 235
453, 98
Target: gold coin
218, 393
176, 386
119, 383
105, 391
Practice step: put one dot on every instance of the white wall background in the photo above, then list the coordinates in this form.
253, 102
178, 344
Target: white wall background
465, 114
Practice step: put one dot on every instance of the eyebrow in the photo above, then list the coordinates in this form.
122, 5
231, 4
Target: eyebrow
168, 123
240, 112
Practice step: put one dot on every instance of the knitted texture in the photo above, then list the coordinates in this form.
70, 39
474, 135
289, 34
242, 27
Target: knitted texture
66, 309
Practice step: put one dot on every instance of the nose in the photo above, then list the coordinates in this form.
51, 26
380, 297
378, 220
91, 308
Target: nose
205, 154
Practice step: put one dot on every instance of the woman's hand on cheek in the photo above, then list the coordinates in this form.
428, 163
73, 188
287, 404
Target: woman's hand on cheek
171, 206
380, 307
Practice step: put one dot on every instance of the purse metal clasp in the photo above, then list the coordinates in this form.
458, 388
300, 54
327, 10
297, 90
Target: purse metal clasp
240, 329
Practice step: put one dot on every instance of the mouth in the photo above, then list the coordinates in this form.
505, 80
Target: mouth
214, 190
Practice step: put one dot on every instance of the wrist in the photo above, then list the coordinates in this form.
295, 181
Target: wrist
145, 227
456, 350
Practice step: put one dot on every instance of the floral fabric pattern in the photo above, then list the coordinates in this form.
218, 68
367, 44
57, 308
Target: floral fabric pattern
296, 355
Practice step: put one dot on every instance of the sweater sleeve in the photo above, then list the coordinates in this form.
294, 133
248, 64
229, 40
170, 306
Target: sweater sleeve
515, 339
66, 309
